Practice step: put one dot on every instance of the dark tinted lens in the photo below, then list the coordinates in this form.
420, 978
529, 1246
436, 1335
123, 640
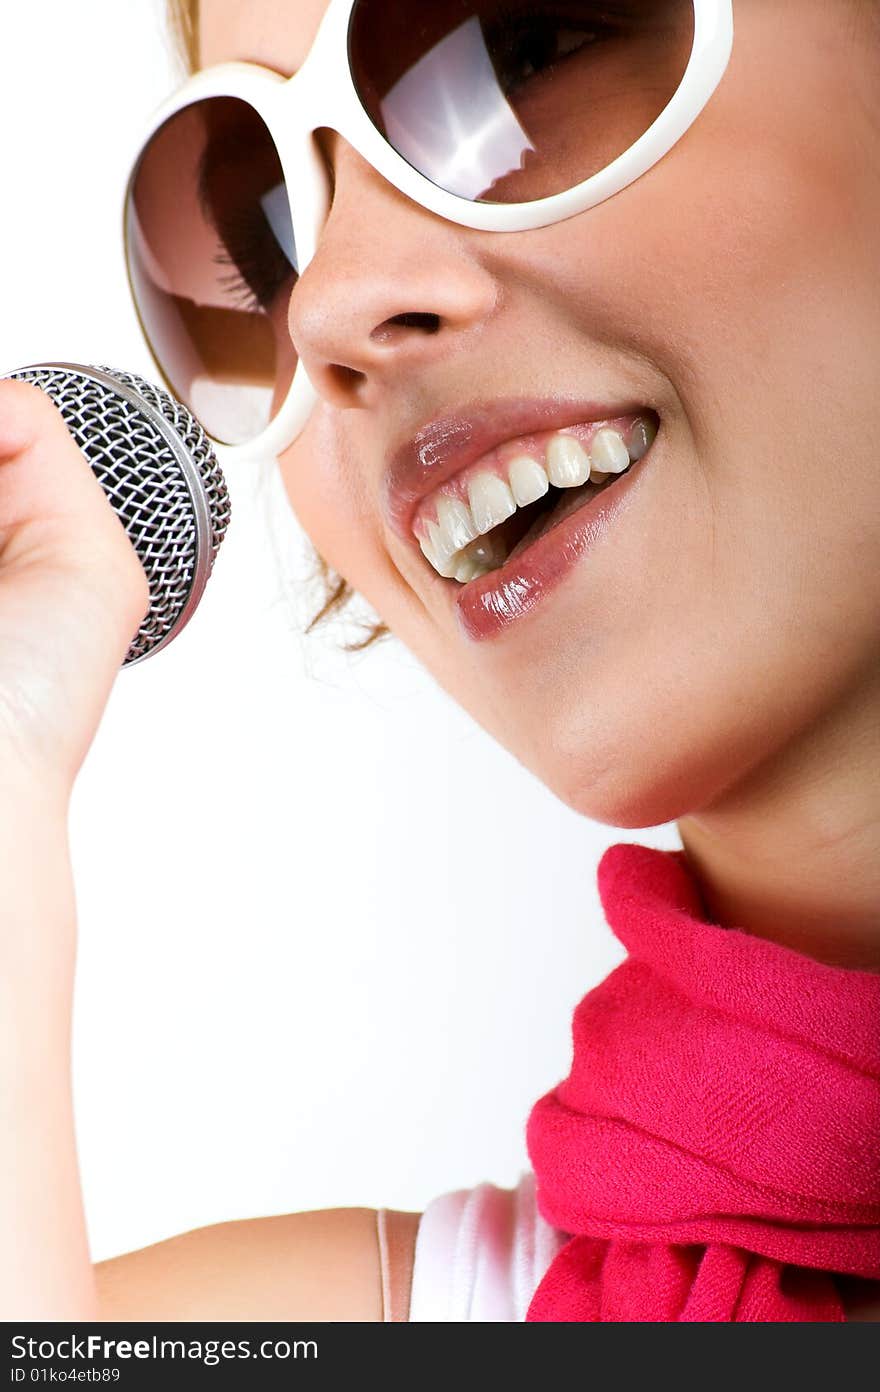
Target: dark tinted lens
514, 101
212, 258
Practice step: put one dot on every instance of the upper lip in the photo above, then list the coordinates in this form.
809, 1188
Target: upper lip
447, 444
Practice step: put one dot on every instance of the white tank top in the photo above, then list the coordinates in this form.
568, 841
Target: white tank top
480, 1255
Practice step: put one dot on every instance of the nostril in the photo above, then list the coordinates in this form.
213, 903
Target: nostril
429, 322
346, 380
400, 324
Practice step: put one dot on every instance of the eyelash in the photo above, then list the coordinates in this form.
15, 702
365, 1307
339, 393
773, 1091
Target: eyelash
236, 288
251, 282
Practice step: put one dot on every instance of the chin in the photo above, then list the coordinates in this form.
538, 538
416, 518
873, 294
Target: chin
635, 776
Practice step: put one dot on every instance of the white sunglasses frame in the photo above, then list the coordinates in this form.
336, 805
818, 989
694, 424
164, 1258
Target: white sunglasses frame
322, 94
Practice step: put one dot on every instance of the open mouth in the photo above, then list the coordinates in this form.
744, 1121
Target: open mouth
501, 505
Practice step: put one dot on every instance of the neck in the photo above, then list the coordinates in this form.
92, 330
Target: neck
792, 853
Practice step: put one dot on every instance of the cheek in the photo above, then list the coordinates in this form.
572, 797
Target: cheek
329, 490
324, 493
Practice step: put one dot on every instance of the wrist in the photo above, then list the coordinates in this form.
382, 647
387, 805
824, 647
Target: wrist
37, 905
32, 797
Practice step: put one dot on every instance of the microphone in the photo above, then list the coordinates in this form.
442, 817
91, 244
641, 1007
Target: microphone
161, 477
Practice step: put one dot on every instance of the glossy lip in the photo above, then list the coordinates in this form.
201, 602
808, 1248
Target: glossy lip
487, 607
446, 445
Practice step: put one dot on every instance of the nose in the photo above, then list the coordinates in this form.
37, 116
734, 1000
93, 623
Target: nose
391, 288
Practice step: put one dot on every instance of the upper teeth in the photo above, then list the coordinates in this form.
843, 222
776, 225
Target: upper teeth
491, 501
455, 524
609, 453
528, 481
568, 464
456, 544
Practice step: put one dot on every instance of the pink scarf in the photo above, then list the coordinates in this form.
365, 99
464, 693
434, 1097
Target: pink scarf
715, 1150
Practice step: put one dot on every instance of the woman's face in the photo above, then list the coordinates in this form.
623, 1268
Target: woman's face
730, 597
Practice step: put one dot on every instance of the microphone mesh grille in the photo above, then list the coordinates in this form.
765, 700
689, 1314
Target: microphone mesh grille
146, 485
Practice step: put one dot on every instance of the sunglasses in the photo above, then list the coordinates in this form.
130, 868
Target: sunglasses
498, 115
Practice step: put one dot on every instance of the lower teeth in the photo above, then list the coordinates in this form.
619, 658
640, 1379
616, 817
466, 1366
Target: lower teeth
478, 559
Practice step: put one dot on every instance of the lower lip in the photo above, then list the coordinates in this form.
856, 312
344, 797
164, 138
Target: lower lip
487, 607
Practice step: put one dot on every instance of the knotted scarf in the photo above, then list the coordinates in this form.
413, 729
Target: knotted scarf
714, 1152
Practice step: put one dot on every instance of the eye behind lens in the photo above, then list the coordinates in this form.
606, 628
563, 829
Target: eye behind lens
514, 102
212, 263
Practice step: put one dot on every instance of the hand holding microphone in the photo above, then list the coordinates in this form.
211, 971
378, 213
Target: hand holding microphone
85, 588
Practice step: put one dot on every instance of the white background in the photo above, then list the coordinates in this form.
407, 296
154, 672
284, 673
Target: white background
330, 935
